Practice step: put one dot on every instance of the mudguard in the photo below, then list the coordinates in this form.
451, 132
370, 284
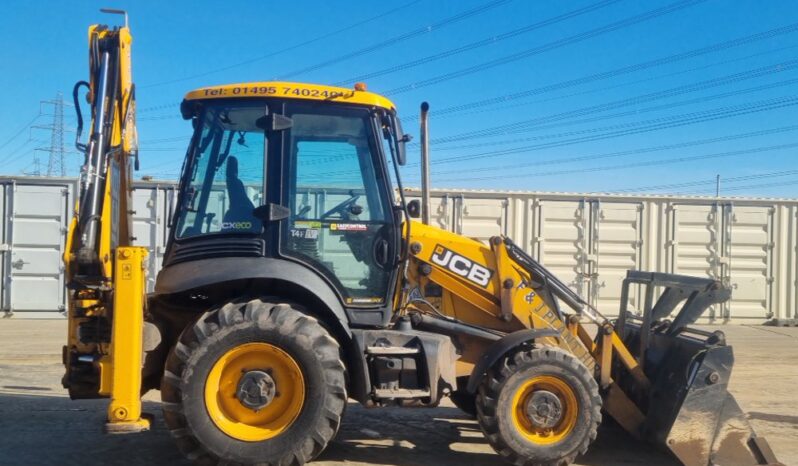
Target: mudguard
500, 348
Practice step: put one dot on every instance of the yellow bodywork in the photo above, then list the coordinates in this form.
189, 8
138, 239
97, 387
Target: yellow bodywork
115, 293
121, 367
290, 90
505, 301
481, 285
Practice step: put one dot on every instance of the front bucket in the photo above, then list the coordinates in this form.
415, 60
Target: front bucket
709, 427
687, 407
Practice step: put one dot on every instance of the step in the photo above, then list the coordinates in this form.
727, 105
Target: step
385, 393
390, 350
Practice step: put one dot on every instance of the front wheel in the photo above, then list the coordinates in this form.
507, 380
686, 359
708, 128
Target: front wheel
254, 382
539, 407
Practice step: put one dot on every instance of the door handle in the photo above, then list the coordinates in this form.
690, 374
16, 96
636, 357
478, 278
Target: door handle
18, 264
381, 252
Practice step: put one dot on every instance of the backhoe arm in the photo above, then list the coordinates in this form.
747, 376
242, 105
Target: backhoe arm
105, 274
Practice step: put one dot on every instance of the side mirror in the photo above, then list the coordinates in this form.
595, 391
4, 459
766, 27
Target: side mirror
400, 139
414, 208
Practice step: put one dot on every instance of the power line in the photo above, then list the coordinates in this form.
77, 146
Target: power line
650, 163
720, 46
480, 43
704, 99
35, 161
687, 184
652, 96
549, 46
286, 49
21, 130
157, 107
372, 48
400, 38
717, 47
170, 116
557, 119
9, 157
443, 113
483, 111
750, 186
631, 128
638, 151
637, 127
162, 140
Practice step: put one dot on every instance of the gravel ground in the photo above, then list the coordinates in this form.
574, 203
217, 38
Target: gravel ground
41, 426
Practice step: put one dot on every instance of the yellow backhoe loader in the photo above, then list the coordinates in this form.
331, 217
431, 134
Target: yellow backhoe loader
294, 279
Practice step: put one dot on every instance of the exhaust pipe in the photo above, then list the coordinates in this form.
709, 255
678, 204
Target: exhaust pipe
424, 133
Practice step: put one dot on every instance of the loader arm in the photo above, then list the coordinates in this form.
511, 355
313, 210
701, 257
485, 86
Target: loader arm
661, 380
482, 285
105, 273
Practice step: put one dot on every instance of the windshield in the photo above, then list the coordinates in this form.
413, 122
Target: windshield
225, 177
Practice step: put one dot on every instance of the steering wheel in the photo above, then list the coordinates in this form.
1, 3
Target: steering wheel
341, 208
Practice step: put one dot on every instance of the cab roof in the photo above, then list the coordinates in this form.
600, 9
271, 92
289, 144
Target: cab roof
290, 90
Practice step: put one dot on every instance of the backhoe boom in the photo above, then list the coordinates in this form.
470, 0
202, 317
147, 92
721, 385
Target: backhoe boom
105, 273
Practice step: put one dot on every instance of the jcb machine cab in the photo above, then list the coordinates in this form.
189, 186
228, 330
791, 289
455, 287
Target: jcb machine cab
295, 279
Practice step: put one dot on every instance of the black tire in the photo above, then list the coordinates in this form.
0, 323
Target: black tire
495, 399
466, 402
236, 323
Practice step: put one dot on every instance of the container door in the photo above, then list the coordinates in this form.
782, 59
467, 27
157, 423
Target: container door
481, 219
616, 243
695, 245
440, 210
148, 227
560, 241
750, 249
36, 233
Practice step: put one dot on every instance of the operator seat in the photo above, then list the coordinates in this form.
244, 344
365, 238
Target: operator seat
239, 213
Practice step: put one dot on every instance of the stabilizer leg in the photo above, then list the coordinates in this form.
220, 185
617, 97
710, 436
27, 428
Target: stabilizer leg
121, 369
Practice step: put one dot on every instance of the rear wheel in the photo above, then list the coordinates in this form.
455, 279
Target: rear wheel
539, 407
254, 382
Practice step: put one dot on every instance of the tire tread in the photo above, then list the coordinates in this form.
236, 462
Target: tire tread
286, 318
493, 382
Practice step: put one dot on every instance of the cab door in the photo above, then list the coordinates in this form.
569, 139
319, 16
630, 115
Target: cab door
338, 194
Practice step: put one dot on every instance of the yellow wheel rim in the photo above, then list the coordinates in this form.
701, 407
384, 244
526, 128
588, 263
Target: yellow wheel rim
527, 419
245, 423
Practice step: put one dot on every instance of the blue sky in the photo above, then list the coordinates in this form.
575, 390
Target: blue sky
575, 96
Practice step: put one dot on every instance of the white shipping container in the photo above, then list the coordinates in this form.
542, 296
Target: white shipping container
588, 240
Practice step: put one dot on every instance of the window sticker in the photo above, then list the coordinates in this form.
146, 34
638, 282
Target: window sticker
374, 300
348, 227
305, 233
307, 224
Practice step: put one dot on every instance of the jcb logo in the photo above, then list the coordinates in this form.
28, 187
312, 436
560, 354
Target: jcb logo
462, 266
